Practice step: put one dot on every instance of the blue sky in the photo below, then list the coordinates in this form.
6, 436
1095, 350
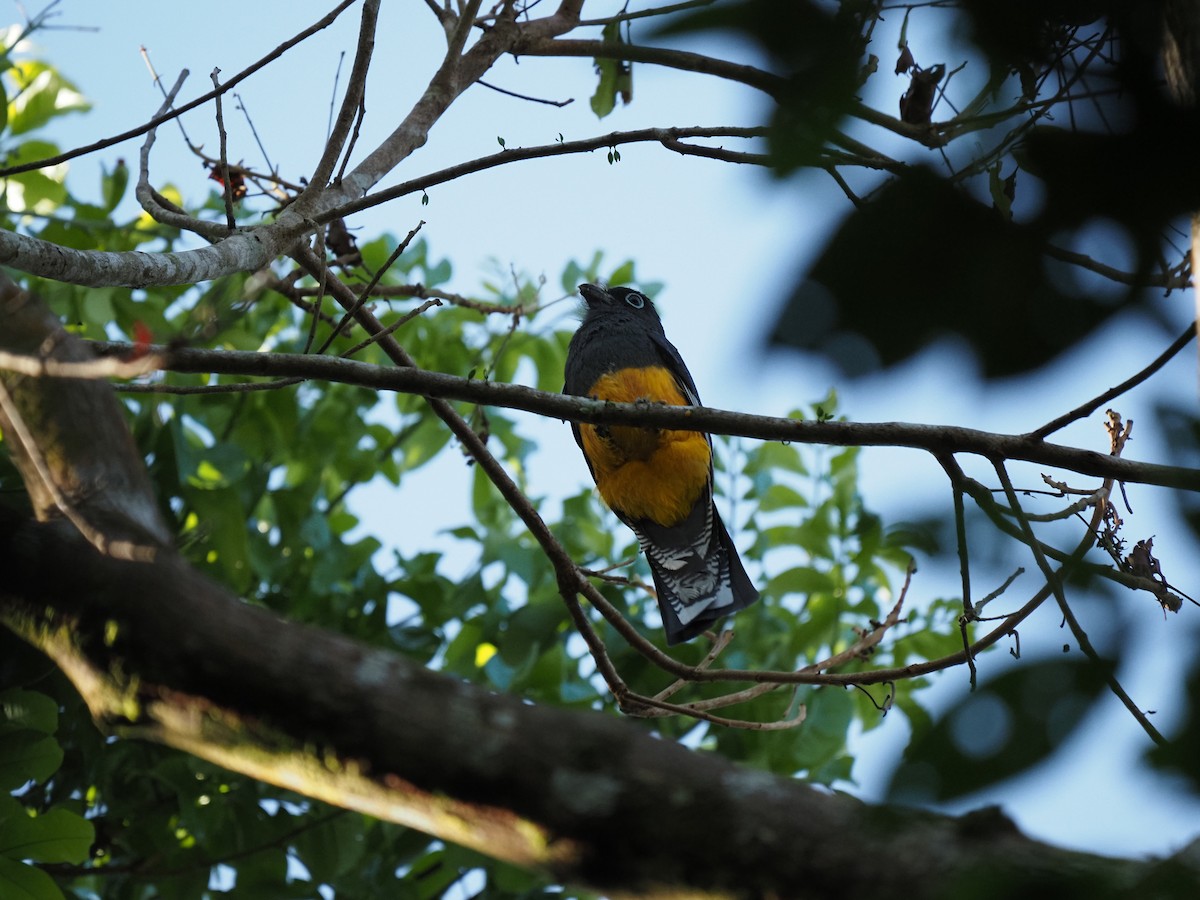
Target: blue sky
726, 241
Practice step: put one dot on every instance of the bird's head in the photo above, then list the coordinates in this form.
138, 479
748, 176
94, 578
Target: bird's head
600, 300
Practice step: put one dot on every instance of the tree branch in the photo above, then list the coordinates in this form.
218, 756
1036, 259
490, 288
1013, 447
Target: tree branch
933, 439
560, 792
241, 76
767, 82
664, 136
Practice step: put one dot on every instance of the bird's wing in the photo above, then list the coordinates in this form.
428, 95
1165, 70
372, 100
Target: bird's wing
678, 368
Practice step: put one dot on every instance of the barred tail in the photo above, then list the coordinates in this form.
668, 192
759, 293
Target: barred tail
697, 573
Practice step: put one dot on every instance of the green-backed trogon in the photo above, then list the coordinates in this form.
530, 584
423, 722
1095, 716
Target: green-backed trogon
659, 482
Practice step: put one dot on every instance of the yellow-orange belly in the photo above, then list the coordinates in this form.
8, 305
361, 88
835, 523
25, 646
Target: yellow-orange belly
646, 473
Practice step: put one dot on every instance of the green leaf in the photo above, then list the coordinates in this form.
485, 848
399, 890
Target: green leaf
58, 836
42, 190
43, 95
622, 274
261, 874
113, 185
25, 756
20, 709
21, 882
1006, 726
780, 496
604, 100
333, 847
823, 734
800, 580
772, 455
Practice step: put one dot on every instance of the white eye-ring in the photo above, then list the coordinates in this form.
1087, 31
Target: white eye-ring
636, 300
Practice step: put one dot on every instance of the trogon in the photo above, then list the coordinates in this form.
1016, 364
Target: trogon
659, 482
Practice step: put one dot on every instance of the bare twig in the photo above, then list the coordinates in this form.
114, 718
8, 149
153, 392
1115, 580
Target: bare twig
1054, 581
159, 119
226, 182
366, 291
518, 154
351, 103
391, 329
531, 99
1086, 409
767, 82
254, 131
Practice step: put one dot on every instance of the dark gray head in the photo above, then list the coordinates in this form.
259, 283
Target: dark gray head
619, 302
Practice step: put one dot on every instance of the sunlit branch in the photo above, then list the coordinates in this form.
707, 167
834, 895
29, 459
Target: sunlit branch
520, 154
351, 102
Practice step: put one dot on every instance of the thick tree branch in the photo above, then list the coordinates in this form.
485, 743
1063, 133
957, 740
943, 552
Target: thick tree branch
160, 653
242, 252
455, 75
92, 476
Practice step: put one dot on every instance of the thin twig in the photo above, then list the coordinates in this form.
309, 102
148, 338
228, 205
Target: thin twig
254, 131
355, 90
320, 298
1054, 580
391, 329
226, 182
1086, 409
366, 291
507, 93
518, 154
159, 119
157, 80
956, 475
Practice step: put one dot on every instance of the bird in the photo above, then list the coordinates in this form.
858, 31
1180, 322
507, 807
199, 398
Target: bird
657, 481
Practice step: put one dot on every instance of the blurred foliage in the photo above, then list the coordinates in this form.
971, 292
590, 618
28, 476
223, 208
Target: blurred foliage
1009, 724
816, 50
1182, 755
1057, 120
914, 294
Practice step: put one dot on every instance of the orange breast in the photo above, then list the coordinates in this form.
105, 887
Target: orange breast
646, 473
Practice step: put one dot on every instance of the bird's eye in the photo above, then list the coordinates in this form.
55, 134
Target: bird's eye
636, 300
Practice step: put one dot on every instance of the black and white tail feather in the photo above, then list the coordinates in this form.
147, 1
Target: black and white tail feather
697, 584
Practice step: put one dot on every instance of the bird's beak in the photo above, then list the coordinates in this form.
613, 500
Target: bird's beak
594, 295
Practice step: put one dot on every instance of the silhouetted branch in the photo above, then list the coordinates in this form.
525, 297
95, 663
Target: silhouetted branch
930, 438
